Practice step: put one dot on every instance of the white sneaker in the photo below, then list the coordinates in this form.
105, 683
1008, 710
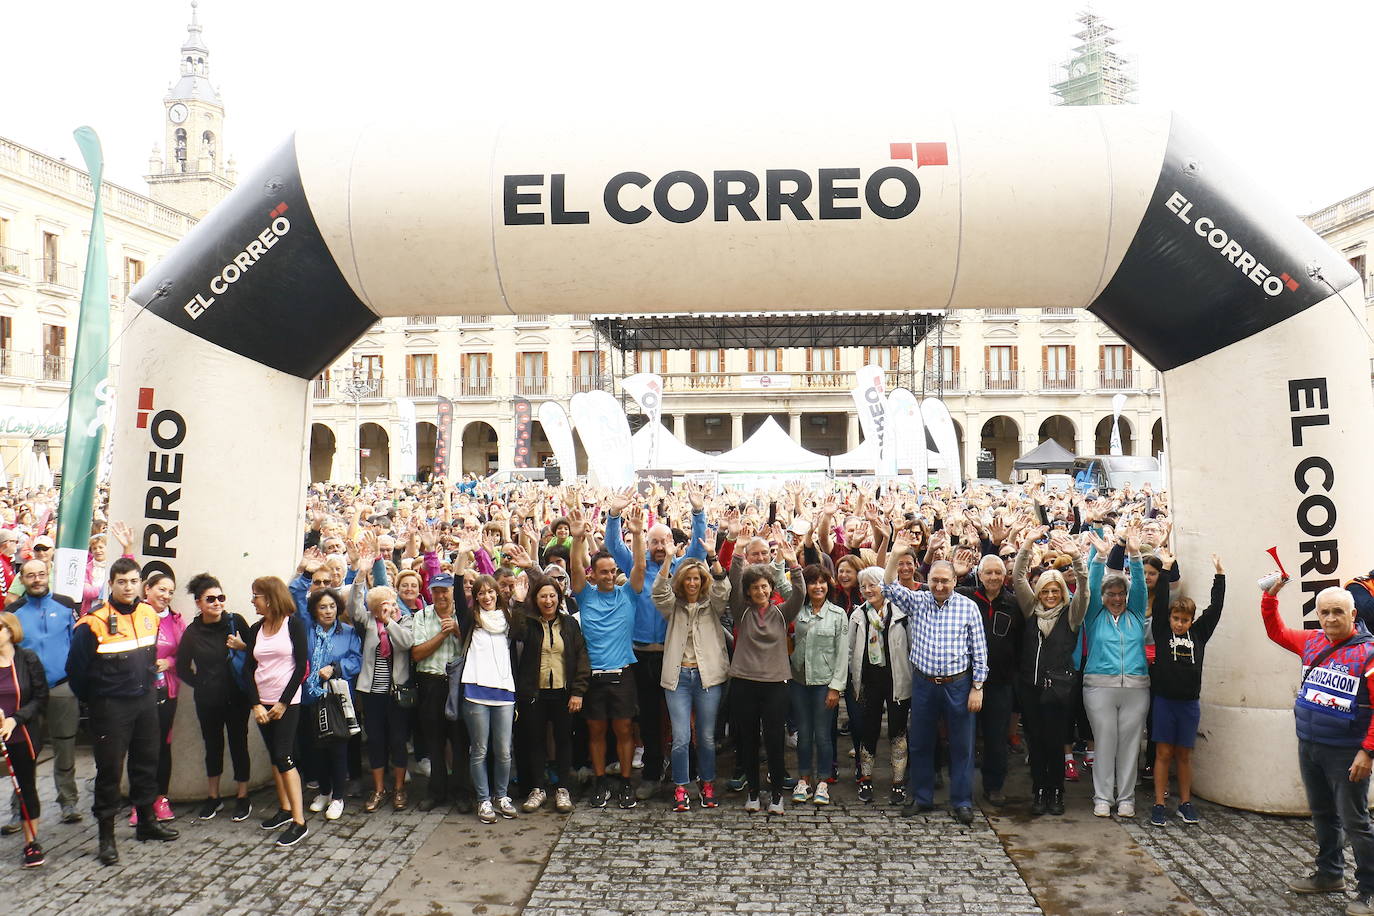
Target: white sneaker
534, 802
775, 806
562, 801
613, 768
791, 739
639, 758
802, 792
752, 805
1126, 809
505, 807
320, 803
822, 793
1102, 809
422, 767
486, 813
335, 810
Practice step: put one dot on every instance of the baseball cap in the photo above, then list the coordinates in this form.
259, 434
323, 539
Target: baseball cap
43, 541
442, 580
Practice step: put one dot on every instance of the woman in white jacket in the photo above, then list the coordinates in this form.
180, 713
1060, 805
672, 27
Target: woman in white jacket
489, 697
880, 674
693, 600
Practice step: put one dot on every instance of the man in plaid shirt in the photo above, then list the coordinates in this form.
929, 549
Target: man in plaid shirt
949, 663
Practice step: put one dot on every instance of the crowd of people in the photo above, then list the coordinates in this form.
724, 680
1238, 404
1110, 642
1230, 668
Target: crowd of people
494, 638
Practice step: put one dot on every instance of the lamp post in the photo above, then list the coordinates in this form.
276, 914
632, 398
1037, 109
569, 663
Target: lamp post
355, 389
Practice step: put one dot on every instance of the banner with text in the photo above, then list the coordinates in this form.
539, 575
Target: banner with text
647, 390
871, 403
605, 435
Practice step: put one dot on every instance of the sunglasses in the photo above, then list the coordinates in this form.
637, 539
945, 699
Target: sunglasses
40, 548
214, 599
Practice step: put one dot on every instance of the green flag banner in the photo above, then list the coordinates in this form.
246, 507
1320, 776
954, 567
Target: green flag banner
89, 406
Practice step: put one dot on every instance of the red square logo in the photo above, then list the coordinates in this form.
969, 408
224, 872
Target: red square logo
900, 150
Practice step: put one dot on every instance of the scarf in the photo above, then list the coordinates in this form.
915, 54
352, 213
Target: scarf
383, 640
493, 621
876, 619
1045, 618
319, 658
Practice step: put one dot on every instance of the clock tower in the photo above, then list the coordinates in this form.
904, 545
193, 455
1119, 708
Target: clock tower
193, 174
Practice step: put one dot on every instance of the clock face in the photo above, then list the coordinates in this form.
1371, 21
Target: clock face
177, 113
1078, 70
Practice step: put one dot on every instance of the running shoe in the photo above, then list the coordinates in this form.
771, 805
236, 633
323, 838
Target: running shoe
822, 796
209, 808
680, 800
33, 855
1159, 816
626, 796
1187, 813
162, 809
1070, 770
802, 792
293, 834
866, 791
708, 795
242, 808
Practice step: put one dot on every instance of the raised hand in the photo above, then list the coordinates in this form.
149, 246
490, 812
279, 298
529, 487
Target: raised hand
124, 535
517, 555
618, 501
634, 520
1216, 565
696, 494
964, 561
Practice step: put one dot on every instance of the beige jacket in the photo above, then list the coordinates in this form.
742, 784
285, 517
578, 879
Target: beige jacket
703, 619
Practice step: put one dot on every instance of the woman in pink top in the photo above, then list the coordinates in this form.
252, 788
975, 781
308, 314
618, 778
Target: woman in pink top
278, 653
158, 589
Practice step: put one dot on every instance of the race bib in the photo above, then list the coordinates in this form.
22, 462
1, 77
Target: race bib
1330, 691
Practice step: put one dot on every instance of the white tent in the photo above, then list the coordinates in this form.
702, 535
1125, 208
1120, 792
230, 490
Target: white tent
673, 453
770, 450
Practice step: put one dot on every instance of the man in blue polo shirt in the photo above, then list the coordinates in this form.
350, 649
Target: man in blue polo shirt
607, 617
650, 626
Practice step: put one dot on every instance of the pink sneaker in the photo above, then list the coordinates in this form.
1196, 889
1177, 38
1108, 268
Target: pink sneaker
1070, 770
162, 809
133, 817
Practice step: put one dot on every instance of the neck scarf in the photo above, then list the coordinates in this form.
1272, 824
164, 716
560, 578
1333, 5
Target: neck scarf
383, 640
876, 620
1045, 618
319, 658
493, 621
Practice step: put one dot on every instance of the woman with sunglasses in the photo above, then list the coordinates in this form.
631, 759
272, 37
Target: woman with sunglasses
203, 663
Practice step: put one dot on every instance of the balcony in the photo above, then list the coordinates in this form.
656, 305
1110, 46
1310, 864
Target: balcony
320, 389
57, 275
35, 367
580, 383
476, 387
14, 265
422, 322
1118, 379
1058, 314
524, 321
479, 320
951, 381
421, 388
1060, 380
531, 386
1000, 313
1002, 380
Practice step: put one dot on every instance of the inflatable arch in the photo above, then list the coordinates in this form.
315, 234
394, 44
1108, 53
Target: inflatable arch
1256, 324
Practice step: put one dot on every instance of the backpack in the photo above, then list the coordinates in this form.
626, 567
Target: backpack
238, 658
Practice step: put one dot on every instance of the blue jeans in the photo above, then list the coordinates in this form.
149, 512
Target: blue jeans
489, 725
929, 702
691, 697
814, 721
1340, 808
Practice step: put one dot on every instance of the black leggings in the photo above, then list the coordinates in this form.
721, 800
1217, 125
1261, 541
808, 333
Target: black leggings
761, 703
280, 738
215, 721
24, 767
532, 721
166, 715
1047, 730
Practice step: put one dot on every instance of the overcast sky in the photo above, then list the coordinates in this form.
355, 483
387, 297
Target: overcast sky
1281, 87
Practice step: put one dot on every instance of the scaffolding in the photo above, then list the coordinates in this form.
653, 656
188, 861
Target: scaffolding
1095, 73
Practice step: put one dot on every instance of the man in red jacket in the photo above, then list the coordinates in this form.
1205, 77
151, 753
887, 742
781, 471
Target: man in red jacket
1335, 738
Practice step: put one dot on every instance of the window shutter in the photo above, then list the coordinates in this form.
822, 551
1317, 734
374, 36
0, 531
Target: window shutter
1127, 361
1015, 359
953, 360
1101, 357
751, 360
1073, 359
694, 361
987, 359
1045, 358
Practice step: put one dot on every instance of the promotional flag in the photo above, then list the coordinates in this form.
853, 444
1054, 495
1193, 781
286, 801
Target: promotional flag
605, 435
524, 418
443, 440
1118, 402
908, 432
559, 432
88, 409
404, 431
941, 427
871, 403
647, 390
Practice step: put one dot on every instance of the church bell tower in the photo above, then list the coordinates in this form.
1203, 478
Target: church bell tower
193, 174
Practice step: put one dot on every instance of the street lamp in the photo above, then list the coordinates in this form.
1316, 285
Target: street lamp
355, 389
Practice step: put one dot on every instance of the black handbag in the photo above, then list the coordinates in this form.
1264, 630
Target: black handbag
1057, 685
331, 719
406, 695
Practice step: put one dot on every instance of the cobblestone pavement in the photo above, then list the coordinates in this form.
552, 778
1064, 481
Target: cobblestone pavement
1239, 862
216, 866
848, 858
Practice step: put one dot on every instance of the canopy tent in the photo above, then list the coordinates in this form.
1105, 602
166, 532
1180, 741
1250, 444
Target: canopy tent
1047, 456
770, 450
673, 453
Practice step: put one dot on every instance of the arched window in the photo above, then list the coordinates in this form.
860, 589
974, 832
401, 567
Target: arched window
181, 149
208, 140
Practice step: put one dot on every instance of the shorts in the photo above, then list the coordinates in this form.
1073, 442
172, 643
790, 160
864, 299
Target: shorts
611, 701
1175, 721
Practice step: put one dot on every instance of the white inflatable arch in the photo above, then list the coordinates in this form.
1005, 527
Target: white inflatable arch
1256, 324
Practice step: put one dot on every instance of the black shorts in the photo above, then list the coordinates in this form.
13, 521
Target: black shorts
605, 700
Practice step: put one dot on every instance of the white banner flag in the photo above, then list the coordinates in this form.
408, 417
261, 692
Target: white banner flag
405, 439
647, 390
559, 432
908, 433
941, 427
871, 403
605, 435
1118, 402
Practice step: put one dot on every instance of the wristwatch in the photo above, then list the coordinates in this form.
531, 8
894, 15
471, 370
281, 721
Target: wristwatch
977, 686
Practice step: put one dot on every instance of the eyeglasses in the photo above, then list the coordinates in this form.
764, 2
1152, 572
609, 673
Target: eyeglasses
215, 599
325, 582
257, 597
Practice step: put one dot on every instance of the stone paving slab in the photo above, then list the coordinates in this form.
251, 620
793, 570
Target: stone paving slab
848, 858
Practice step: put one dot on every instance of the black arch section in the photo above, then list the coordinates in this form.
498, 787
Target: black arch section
289, 307
1176, 297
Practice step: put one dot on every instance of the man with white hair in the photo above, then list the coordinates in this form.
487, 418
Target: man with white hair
1002, 626
1335, 737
